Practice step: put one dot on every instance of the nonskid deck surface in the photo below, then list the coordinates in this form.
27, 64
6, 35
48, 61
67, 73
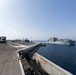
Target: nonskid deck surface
9, 62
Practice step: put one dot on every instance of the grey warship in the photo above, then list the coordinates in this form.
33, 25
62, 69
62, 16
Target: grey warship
55, 40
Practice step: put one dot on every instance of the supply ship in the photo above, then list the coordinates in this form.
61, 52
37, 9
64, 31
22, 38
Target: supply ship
55, 40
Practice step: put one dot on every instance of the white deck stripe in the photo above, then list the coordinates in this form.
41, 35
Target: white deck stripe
19, 45
21, 67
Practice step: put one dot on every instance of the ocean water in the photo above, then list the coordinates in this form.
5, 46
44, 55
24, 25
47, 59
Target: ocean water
62, 55
42, 41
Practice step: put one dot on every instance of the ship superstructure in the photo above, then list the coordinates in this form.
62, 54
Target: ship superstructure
55, 40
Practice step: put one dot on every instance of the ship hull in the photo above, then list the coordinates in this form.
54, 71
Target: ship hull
62, 43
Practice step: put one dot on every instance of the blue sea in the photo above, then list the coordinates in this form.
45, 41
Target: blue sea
62, 55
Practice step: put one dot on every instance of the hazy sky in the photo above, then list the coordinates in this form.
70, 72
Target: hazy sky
40, 19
